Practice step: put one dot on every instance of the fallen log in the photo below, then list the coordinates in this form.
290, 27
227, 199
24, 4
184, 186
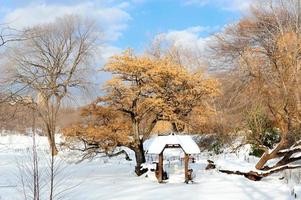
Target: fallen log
257, 176
254, 176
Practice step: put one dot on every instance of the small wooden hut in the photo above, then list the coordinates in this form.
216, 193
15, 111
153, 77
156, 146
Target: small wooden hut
185, 142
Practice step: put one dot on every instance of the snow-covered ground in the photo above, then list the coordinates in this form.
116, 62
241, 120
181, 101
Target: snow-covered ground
104, 178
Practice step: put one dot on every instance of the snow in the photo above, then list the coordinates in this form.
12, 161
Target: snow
107, 179
290, 149
296, 155
18, 141
297, 192
185, 141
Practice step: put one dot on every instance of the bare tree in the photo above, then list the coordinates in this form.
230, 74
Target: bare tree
50, 64
8, 35
264, 50
41, 176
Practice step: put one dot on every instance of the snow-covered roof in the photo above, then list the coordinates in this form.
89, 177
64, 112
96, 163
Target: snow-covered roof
185, 141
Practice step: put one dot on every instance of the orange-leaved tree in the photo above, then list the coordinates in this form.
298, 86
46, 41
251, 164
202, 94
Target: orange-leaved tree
146, 90
100, 129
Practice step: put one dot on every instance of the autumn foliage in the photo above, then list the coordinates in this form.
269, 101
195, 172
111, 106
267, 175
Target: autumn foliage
264, 50
99, 126
143, 92
164, 89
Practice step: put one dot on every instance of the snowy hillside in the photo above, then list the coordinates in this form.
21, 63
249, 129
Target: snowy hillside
104, 178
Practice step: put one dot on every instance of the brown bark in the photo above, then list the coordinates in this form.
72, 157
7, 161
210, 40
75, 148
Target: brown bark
210, 165
186, 161
140, 158
176, 127
255, 176
127, 157
51, 141
160, 168
53, 148
274, 153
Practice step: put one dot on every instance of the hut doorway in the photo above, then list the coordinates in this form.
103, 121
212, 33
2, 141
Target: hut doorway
173, 141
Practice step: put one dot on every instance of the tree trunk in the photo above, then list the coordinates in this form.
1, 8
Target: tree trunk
260, 165
178, 127
140, 158
51, 141
174, 127
53, 148
262, 161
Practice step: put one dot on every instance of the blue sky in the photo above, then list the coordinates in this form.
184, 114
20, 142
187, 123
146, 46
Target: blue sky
153, 17
131, 23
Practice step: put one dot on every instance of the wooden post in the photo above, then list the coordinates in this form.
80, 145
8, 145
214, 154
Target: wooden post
186, 160
160, 177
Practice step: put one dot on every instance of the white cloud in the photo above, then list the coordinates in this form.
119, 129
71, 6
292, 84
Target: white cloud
112, 19
188, 38
107, 51
188, 42
232, 5
191, 42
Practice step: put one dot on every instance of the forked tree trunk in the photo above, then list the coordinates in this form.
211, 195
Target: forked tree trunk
261, 164
262, 161
140, 158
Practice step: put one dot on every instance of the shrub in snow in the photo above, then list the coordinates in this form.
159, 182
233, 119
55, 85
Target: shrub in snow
268, 139
217, 147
